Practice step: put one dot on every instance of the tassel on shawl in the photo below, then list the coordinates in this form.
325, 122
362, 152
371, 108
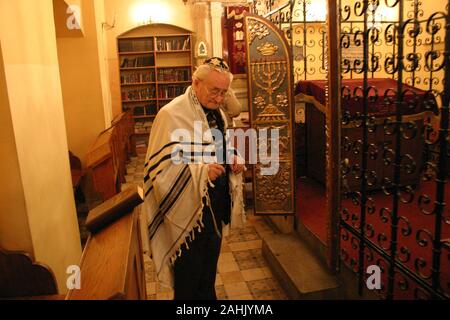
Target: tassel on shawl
199, 224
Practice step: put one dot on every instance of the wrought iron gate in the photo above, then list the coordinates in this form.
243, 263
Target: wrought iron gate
395, 68
394, 148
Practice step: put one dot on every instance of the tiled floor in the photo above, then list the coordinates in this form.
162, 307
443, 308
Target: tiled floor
242, 271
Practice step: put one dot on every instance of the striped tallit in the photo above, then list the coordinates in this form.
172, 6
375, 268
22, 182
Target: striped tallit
174, 189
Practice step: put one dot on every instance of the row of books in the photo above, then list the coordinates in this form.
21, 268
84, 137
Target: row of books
136, 45
142, 126
140, 94
174, 74
144, 45
163, 75
139, 77
171, 91
143, 61
145, 110
173, 44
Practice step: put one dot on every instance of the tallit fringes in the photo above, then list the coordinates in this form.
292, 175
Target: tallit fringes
200, 223
197, 226
174, 257
211, 184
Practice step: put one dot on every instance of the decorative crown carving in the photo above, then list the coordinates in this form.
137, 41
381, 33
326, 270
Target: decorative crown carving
268, 49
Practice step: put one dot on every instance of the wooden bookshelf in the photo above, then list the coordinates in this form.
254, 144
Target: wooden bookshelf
153, 69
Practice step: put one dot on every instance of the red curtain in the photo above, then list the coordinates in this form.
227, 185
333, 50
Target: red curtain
235, 36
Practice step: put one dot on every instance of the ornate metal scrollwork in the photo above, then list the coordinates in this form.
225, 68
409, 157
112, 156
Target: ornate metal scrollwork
345, 215
383, 238
385, 215
406, 230
395, 136
370, 231
404, 254
399, 146
407, 195
402, 282
424, 200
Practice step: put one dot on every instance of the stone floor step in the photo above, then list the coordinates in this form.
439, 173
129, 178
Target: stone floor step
301, 273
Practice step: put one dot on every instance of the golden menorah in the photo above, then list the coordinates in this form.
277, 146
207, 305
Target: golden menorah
269, 76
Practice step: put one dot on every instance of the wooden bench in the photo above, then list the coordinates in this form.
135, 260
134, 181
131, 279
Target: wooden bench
101, 161
108, 154
126, 147
23, 278
112, 267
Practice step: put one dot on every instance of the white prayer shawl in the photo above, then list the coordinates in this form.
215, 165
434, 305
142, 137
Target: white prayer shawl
174, 192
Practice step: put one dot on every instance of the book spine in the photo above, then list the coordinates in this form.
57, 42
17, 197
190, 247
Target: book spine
108, 216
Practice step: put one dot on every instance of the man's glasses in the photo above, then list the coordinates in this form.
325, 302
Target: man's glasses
214, 93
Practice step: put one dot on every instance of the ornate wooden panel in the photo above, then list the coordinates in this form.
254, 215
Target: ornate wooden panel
269, 72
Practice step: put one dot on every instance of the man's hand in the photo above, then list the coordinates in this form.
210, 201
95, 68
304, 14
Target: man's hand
215, 170
237, 164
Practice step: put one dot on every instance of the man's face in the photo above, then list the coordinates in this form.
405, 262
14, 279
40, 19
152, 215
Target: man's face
211, 91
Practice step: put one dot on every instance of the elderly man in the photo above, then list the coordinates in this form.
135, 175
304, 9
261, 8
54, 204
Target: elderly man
188, 195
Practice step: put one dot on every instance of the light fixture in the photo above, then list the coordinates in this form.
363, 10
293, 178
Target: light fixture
145, 13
